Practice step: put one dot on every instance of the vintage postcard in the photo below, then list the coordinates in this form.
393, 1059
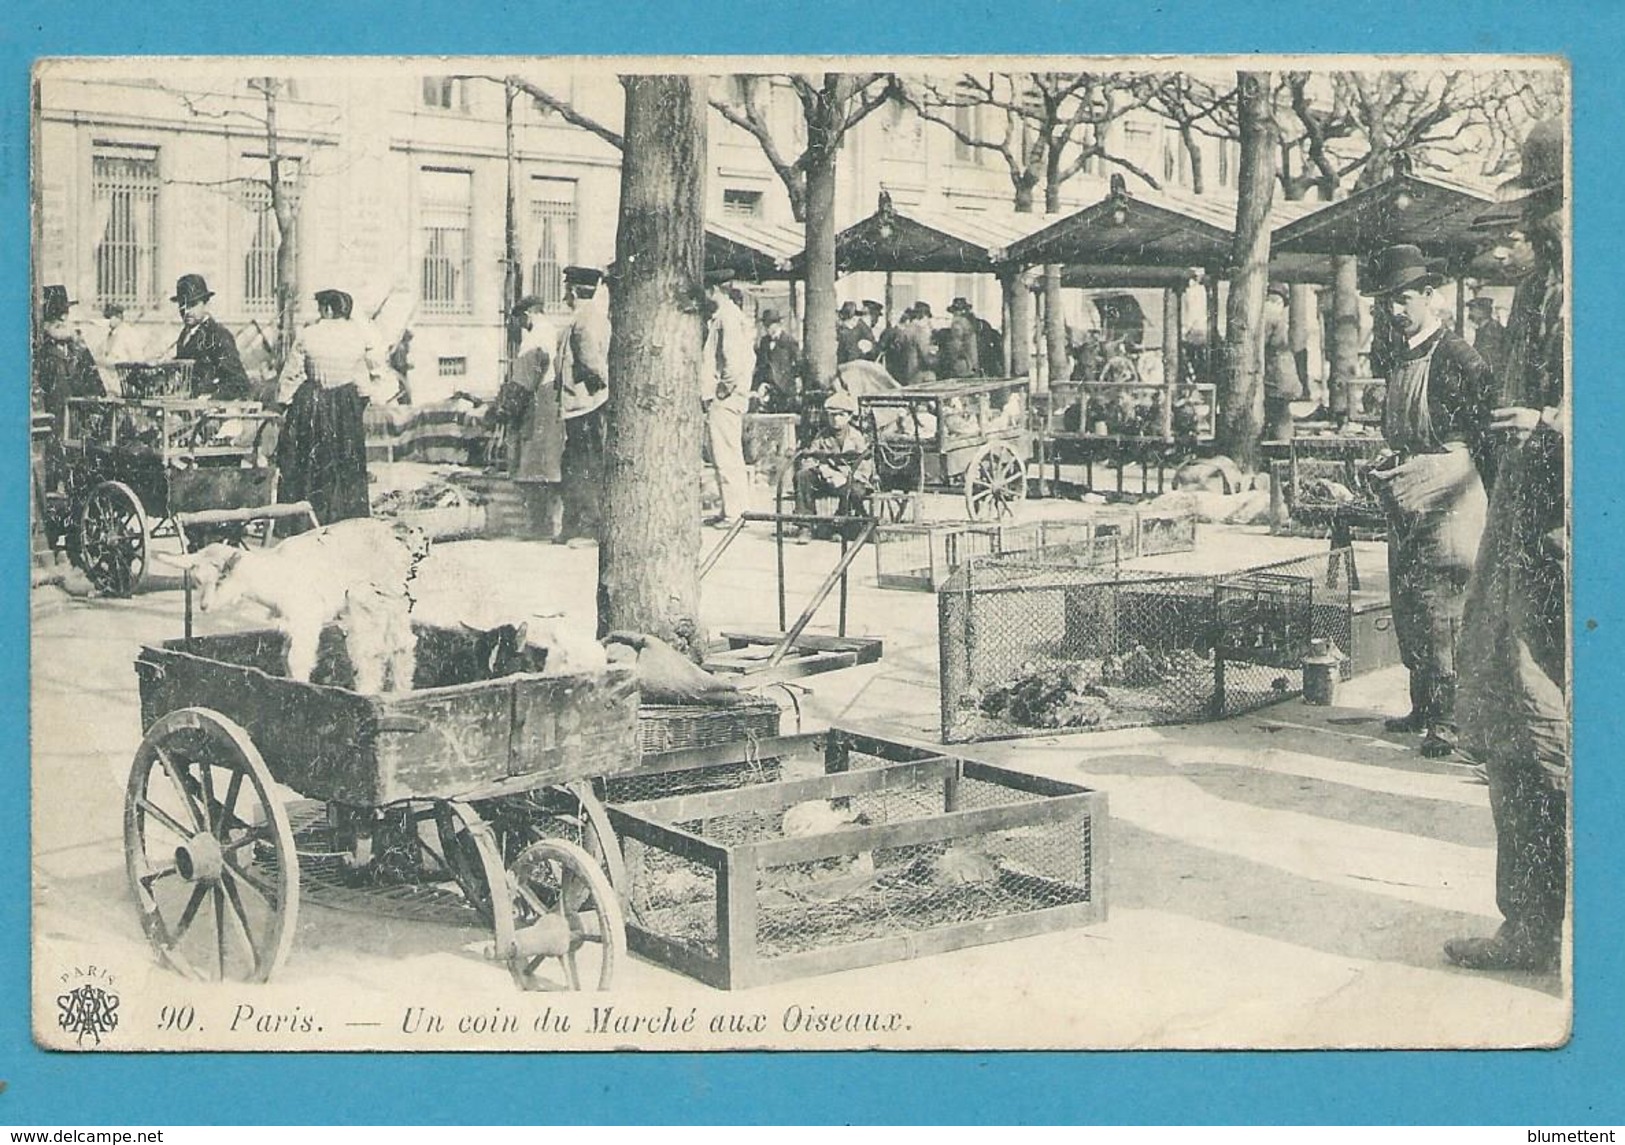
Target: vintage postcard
910, 553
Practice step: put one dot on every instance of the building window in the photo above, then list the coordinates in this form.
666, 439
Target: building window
553, 237
124, 190
1170, 165
446, 212
965, 126
445, 92
259, 256
738, 204
453, 367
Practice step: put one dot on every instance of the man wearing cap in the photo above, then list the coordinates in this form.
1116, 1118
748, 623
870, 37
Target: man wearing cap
1514, 645
332, 372
874, 316
838, 461
63, 368
536, 439
1435, 415
854, 341
1489, 336
958, 353
1282, 385
728, 362
583, 365
777, 383
219, 370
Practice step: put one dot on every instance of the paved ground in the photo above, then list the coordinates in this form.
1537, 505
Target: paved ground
1280, 879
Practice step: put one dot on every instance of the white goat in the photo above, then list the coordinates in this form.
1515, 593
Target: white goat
356, 572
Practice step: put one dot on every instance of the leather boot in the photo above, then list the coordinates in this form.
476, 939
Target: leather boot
1417, 720
1441, 717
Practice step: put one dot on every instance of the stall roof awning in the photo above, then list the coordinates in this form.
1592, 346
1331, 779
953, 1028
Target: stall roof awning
929, 240
1143, 229
1430, 211
752, 248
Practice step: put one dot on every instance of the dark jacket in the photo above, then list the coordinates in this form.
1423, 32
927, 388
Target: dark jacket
219, 371
63, 370
1461, 393
854, 343
989, 347
1491, 343
778, 369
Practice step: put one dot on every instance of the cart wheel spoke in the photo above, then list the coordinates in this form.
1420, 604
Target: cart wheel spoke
205, 858
163, 817
113, 536
236, 899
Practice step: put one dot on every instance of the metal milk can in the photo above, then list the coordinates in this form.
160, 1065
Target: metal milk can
1320, 671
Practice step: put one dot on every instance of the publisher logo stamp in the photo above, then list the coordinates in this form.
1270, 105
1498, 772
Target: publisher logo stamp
88, 1008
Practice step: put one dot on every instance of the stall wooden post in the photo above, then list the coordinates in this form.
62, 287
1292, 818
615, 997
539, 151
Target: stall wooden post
1173, 321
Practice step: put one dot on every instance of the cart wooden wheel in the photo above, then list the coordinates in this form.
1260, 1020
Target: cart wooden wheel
113, 539
209, 850
995, 482
473, 857
568, 930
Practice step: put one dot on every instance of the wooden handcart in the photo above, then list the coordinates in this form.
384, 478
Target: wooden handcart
969, 436
475, 792
157, 464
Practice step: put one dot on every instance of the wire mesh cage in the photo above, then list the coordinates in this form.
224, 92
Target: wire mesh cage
1028, 647
882, 859
923, 556
1166, 531
673, 727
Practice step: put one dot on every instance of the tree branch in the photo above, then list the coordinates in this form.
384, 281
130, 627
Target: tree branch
562, 109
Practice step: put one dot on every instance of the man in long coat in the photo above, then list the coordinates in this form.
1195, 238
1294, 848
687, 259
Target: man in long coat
1514, 649
536, 444
1435, 414
583, 389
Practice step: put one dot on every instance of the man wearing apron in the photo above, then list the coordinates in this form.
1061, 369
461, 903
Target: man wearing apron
1432, 485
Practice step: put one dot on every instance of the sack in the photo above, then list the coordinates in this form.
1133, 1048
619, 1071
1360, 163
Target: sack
513, 402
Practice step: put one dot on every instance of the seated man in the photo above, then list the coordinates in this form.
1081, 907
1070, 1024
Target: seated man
837, 463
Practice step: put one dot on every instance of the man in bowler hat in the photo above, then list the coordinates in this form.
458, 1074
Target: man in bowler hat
63, 368
777, 384
218, 372
1435, 415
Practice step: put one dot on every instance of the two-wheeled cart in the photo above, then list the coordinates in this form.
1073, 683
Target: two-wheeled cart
463, 801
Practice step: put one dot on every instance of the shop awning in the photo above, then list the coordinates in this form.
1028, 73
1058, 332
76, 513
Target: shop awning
929, 240
751, 248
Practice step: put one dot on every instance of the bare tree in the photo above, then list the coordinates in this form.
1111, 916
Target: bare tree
281, 190
649, 553
1197, 108
830, 105
1046, 127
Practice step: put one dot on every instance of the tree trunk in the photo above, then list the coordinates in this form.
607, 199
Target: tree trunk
650, 545
285, 213
512, 286
1193, 153
1345, 334
1241, 401
818, 335
1019, 336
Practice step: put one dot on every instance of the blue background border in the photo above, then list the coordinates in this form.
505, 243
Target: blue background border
1580, 1084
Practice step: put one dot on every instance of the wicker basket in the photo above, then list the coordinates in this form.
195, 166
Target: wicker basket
672, 727
148, 381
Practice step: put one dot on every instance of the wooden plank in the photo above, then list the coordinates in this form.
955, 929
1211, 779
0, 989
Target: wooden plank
1020, 780
808, 640
787, 793
895, 750
666, 836
676, 956
736, 913
923, 943
932, 829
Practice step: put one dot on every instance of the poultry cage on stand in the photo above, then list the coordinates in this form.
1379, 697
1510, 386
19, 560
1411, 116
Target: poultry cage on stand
1030, 644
